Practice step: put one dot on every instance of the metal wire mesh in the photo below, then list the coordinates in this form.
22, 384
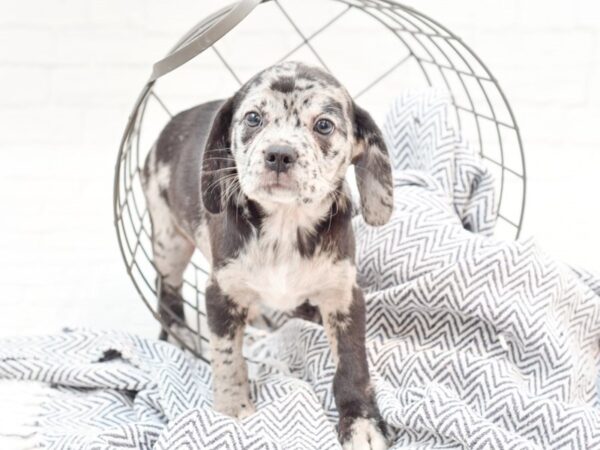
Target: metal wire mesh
399, 48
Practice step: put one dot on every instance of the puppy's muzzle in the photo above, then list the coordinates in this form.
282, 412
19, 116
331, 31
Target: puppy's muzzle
280, 158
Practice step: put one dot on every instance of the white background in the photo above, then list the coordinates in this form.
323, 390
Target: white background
70, 71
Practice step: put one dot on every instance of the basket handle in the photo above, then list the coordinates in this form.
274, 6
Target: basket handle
236, 14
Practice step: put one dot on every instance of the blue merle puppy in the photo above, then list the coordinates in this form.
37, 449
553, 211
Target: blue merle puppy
257, 183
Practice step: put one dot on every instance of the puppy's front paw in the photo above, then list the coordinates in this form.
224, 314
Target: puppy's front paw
245, 410
363, 434
239, 407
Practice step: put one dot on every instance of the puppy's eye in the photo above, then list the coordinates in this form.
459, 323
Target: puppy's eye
324, 127
253, 119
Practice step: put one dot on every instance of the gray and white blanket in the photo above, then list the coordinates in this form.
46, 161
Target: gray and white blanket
473, 342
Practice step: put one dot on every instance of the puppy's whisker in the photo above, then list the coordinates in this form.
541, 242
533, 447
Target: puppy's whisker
225, 176
220, 160
230, 167
222, 170
230, 182
220, 180
237, 201
213, 187
209, 150
334, 195
220, 163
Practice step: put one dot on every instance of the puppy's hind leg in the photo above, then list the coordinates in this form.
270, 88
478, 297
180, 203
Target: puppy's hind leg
171, 250
172, 253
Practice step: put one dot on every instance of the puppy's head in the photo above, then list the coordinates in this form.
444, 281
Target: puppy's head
288, 136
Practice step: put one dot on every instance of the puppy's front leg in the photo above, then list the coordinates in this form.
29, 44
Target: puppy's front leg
360, 424
226, 321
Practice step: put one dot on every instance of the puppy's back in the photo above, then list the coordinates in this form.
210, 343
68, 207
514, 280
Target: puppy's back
175, 162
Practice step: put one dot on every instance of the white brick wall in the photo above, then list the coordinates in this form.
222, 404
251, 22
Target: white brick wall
70, 70
546, 55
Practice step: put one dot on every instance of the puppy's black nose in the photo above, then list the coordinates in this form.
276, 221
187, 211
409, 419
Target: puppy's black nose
280, 158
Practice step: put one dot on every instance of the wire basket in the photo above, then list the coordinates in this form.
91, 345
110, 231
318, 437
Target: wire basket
376, 48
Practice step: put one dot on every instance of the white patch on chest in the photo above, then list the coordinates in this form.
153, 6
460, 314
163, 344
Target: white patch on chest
271, 270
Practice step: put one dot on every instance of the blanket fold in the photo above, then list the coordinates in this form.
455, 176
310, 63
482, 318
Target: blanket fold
473, 342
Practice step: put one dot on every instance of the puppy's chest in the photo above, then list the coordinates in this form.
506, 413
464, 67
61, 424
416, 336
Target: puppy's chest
275, 273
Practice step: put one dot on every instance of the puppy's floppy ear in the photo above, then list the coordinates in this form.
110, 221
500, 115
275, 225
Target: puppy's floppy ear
372, 168
217, 158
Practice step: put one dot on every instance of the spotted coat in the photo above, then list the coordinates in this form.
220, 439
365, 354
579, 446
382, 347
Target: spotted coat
257, 183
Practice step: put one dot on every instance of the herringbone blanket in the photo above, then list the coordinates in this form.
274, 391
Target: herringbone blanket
473, 342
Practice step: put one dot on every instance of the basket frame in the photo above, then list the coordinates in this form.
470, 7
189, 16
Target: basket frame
137, 115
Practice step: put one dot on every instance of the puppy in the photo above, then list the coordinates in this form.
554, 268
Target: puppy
257, 183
